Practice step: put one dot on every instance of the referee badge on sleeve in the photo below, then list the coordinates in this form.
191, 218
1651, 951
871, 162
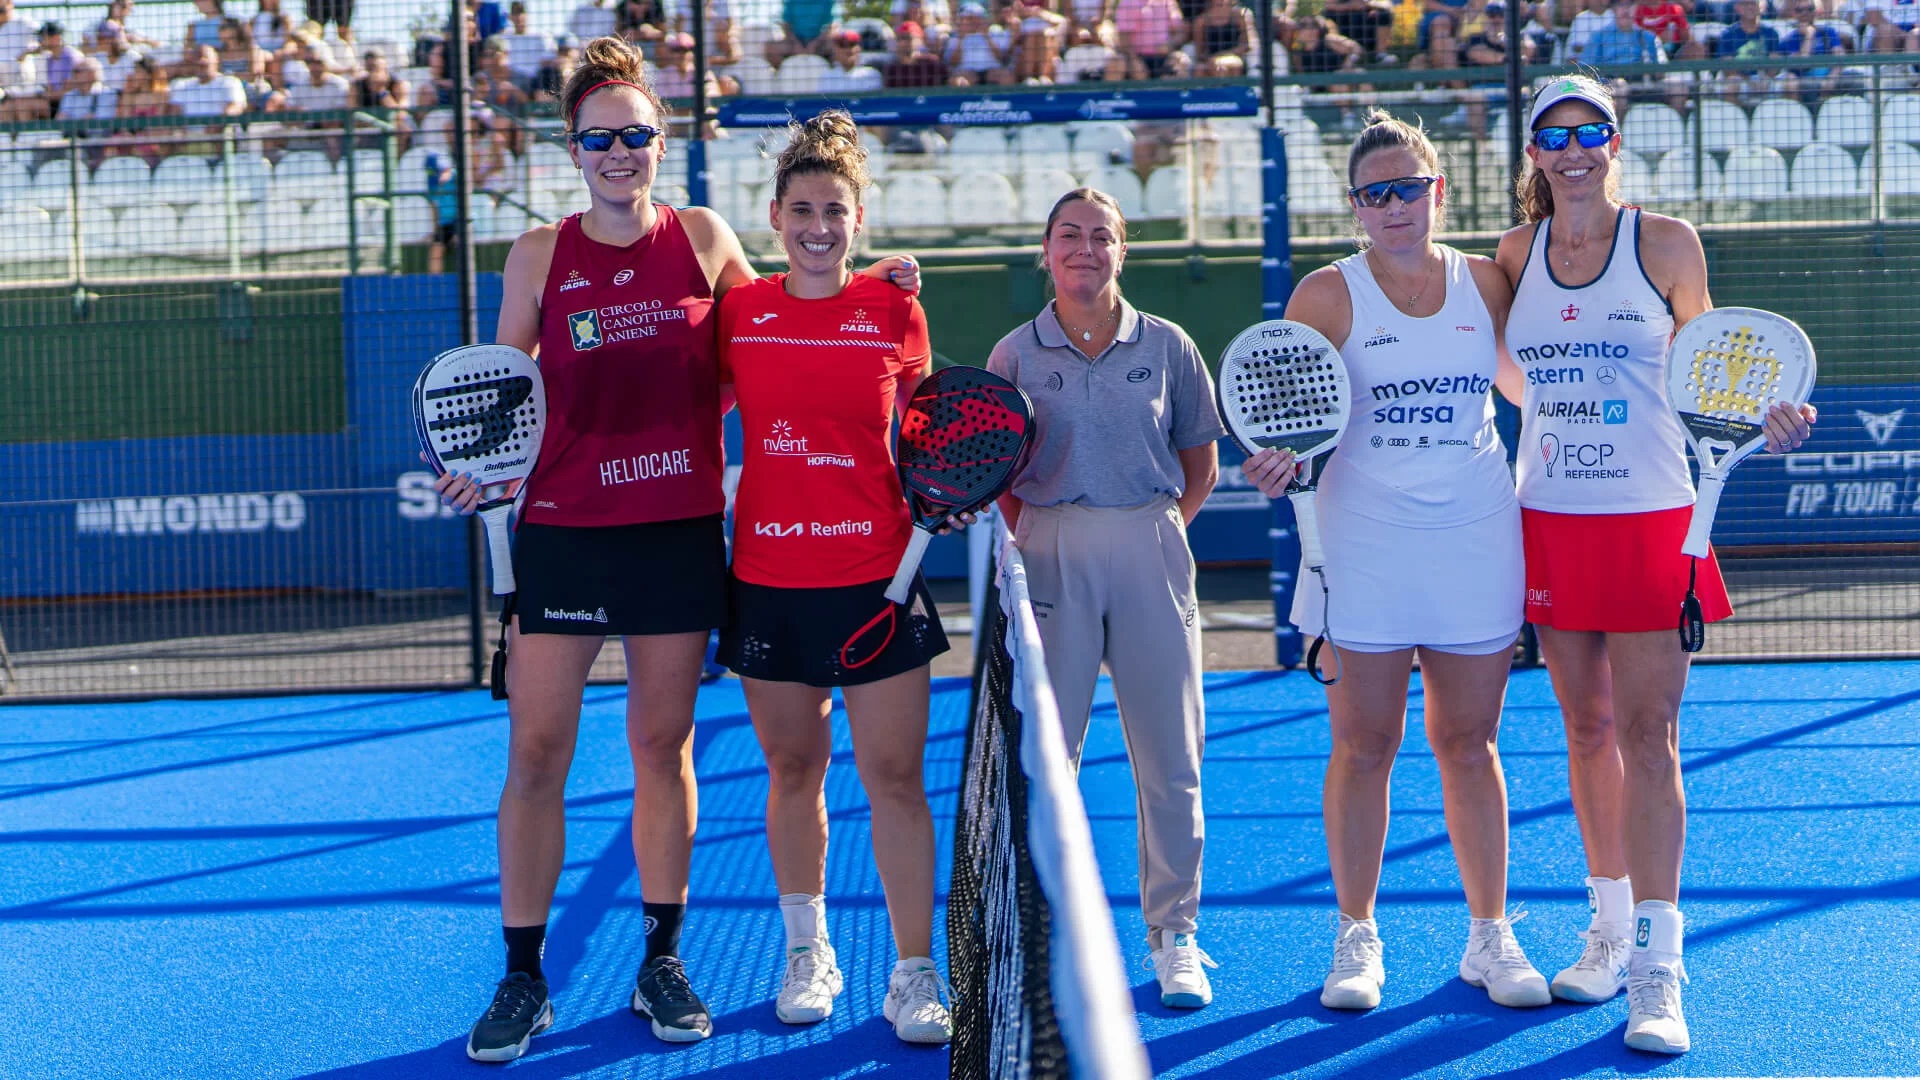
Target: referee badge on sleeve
585, 327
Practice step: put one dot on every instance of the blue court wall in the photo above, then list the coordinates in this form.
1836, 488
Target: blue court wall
353, 510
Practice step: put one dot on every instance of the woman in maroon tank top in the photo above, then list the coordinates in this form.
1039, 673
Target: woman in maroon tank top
620, 531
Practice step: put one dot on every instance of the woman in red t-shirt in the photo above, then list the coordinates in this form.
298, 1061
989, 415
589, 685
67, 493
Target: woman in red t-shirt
621, 528
820, 360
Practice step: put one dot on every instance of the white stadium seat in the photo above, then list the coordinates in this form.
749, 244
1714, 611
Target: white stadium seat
1755, 172
1121, 182
1782, 123
1166, 194
1674, 178
1845, 121
915, 200
1042, 146
30, 238
1900, 118
1723, 125
981, 199
1636, 179
1825, 169
1099, 145
1652, 128
1235, 192
123, 170
1039, 190
1900, 170
982, 149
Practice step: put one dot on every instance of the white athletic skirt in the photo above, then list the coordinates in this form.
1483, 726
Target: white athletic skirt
1391, 586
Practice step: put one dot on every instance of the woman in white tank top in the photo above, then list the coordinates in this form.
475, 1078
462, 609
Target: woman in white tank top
1422, 535
1599, 290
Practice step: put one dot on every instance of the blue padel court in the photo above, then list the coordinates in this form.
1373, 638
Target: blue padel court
305, 886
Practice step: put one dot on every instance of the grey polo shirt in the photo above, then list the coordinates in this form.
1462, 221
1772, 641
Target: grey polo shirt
1108, 430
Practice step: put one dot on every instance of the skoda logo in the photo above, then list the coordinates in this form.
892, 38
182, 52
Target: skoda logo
1055, 382
1138, 374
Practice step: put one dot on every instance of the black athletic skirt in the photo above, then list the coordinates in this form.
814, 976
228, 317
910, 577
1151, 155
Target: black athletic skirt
802, 635
665, 577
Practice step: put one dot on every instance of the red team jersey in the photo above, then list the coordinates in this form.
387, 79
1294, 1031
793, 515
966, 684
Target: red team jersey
633, 395
819, 503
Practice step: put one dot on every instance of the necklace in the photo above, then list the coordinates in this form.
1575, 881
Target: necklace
1412, 298
1087, 334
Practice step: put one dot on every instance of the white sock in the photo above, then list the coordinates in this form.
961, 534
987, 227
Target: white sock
805, 916
1657, 928
913, 963
1610, 899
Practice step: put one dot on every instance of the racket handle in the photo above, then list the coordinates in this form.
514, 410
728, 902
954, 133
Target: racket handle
1705, 504
1307, 523
499, 547
909, 565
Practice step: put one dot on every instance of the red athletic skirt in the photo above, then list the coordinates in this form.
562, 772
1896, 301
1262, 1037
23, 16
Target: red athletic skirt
1619, 573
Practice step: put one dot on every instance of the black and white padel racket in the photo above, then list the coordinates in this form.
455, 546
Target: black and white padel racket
963, 437
1283, 386
482, 410
1726, 369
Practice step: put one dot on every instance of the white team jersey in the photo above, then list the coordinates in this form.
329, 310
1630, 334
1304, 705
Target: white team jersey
1596, 434
1420, 448
1417, 511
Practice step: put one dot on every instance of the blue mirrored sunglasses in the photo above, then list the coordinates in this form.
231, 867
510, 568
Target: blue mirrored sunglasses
1409, 188
598, 140
1590, 136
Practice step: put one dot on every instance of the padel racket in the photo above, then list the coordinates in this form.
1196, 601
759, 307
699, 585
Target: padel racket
1283, 386
482, 409
1726, 369
962, 439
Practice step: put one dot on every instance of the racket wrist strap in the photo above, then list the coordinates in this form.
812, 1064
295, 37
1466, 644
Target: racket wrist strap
1693, 626
499, 681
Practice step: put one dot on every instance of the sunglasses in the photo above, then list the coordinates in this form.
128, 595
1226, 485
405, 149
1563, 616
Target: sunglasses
598, 140
1408, 188
1590, 136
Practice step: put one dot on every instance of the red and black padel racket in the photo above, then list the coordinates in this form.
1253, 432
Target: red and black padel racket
962, 440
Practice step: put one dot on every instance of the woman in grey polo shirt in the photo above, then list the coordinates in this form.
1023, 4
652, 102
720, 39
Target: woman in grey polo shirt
1123, 458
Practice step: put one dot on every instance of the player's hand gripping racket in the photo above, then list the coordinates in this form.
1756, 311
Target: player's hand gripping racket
1282, 386
482, 410
1726, 369
962, 439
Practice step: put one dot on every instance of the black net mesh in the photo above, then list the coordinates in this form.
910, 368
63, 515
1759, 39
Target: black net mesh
998, 923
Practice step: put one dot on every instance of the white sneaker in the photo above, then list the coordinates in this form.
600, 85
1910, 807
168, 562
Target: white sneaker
1654, 1021
810, 985
1181, 969
913, 1004
1358, 971
1601, 971
1495, 961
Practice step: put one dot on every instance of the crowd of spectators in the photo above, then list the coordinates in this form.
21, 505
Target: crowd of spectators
270, 62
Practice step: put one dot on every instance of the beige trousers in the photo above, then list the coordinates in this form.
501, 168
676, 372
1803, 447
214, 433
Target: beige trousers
1117, 585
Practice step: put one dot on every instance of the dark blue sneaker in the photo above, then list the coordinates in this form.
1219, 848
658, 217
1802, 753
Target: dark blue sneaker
520, 1010
663, 995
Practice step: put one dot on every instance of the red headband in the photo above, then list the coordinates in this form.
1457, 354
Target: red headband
609, 82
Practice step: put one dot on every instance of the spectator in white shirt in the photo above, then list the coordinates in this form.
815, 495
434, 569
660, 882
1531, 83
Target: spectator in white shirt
1594, 15
978, 52
590, 21
207, 92
116, 60
270, 27
324, 92
86, 97
525, 49
848, 75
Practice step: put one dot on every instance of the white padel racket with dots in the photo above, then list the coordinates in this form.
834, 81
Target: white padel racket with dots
1726, 369
1283, 386
482, 410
